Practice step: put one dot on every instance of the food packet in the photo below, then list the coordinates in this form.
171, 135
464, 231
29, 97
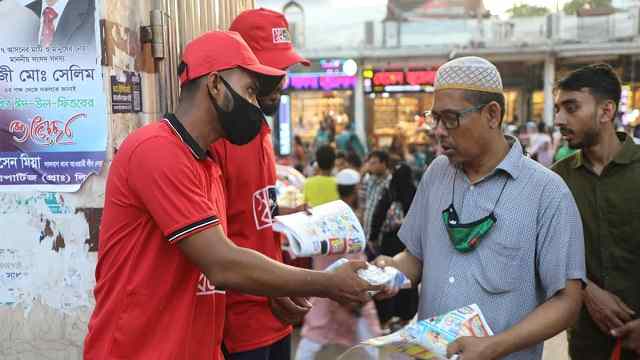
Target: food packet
390, 277
428, 339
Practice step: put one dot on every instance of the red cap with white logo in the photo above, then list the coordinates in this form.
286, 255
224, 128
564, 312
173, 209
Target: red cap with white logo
267, 33
218, 51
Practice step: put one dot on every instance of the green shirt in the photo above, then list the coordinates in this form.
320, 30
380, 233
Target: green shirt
319, 190
609, 205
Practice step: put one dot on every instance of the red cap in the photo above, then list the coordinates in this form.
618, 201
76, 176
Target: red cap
267, 33
218, 51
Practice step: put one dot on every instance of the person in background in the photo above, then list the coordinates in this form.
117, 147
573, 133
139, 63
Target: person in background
321, 188
329, 322
541, 146
490, 226
348, 142
417, 161
323, 136
257, 327
341, 162
398, 147
299, 154
354, 161
376, 180
564, 151
387, 219
603, 176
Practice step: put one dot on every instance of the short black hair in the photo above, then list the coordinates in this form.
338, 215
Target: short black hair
600, 79
326, 157
381, 155
346, 190
341, 155
354, 160
188, 89
478, 98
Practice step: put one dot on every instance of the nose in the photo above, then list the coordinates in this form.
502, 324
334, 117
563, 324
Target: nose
440, 131
559, 119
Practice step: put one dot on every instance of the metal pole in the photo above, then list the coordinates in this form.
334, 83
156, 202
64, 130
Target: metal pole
358, 109
549, 80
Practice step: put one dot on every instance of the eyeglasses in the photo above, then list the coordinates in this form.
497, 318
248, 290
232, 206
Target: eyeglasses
450, 118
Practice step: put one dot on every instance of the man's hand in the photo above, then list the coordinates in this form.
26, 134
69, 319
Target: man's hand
473, 348
630, 335
289, 311
381, 262
287, 211
347, 287
606, 309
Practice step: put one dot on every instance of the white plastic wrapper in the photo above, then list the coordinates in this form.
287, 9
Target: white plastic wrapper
428, 339
390, 277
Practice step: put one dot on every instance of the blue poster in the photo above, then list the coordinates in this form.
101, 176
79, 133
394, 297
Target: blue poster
53, 114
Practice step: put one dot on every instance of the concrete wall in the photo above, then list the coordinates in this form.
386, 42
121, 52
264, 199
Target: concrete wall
54, 236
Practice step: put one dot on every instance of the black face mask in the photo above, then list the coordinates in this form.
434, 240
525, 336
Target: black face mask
269, 109
243, 122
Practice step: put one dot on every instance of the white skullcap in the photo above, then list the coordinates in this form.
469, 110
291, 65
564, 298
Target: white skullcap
347, 177
469, 73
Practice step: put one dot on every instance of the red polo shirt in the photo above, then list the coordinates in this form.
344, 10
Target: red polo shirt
151, 301
249, 173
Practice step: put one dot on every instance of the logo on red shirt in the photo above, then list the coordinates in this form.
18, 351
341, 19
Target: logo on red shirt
264, 207
205, 287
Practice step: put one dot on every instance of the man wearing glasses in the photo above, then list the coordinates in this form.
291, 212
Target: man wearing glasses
490, 226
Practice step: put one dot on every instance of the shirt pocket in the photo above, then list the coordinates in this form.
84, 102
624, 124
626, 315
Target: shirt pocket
497, 268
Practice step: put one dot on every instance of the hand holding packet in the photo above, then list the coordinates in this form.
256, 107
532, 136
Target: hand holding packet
428, 339
390, 277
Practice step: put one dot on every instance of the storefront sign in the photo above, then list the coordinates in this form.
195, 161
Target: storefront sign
284, 126
321, 81
126, 93
418, 80
53, 118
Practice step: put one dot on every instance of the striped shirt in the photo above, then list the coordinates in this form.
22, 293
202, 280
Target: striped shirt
534, 248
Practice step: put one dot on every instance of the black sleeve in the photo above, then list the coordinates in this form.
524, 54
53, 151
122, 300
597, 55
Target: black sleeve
380, 214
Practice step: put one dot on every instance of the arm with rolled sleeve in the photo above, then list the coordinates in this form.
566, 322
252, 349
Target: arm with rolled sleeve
172, 189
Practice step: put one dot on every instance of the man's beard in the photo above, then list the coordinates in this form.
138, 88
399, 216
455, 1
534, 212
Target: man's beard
589, 138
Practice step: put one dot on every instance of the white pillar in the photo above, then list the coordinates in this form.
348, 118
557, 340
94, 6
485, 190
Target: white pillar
549, 80
358, 109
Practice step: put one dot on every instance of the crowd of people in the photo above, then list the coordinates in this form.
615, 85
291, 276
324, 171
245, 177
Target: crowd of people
189, 266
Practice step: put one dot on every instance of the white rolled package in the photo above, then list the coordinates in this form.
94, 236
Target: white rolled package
428, 339
331, 229
388, 276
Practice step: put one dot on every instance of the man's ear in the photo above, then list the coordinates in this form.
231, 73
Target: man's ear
609, 110
494, 114
214, 87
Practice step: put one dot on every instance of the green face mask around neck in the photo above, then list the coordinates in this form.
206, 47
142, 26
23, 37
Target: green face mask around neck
466, 237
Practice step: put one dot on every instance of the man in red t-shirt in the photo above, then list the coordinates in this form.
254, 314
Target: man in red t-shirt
163, 252
252, 331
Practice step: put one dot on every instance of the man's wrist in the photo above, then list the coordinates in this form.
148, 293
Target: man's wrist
322, 284
500, 346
